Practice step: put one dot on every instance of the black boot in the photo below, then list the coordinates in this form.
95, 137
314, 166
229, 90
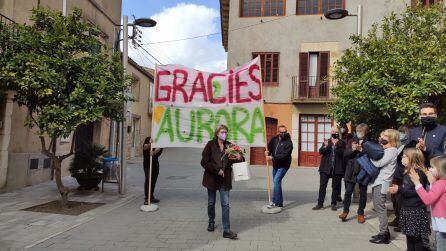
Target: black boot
382, 239
318, 207
230, 235
211, 227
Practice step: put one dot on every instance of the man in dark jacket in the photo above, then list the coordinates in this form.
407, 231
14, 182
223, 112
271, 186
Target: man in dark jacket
352, 168
332, 166
279, 151
430, 137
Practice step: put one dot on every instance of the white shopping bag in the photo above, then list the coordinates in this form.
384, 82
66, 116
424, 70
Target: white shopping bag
240, 171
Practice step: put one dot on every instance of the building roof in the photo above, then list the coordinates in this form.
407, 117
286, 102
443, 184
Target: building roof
141, 69
224, 18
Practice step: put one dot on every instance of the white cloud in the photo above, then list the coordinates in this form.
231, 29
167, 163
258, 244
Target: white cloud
182, 21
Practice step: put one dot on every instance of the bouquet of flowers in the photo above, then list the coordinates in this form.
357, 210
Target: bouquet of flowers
234, 151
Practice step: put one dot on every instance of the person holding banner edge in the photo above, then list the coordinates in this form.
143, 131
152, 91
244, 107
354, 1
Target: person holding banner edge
279, 152
217, 176
155, 153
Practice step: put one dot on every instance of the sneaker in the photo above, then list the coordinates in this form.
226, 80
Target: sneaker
230, 235
271, 206
318, 207
211, 227
334, 207
146, 203
154, 200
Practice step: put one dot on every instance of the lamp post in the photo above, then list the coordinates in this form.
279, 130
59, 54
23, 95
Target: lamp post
339, 13
336, 14
142, 22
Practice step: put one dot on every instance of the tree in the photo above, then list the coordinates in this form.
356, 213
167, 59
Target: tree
399, 64
60, 71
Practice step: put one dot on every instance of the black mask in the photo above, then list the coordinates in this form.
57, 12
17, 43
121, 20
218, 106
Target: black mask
429, 122
335, 136
383, 142
282, 134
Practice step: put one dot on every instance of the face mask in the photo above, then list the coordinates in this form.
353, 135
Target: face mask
433, 171
222, 136
429, 121
335, 136
383, 142
402, 136
360, 135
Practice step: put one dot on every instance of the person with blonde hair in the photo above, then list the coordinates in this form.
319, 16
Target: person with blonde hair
436, 197
414, 219
390, 140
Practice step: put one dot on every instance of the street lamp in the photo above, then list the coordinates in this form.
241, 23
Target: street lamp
143, 22
339, 13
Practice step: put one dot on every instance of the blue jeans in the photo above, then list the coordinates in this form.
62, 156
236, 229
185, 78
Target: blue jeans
278, 174
224, 201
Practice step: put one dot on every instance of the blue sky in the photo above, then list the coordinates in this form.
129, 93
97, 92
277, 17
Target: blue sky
146, 8
177, 20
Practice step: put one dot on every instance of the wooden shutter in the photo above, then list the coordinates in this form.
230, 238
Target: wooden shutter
324, 66
303, 74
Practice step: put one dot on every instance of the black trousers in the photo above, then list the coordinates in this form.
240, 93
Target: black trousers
155, 172
415, 243
396, 201
349, 188
336, 185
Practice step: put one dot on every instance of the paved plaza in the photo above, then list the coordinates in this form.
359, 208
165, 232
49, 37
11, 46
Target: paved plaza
181, 221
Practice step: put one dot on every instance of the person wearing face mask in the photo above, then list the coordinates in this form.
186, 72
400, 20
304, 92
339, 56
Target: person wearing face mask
217, 176
331, 166
352, 153
390, 140
430, 137
279, 152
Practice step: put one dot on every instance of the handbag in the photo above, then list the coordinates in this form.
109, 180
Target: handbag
240, 171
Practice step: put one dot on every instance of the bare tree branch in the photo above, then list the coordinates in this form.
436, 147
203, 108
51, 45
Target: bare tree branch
44, 150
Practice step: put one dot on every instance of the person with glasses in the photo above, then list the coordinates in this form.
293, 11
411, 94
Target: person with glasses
279, 152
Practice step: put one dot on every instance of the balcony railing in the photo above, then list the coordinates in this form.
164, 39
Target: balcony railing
6, 20
311, 88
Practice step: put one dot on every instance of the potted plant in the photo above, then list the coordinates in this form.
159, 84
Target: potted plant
86, 166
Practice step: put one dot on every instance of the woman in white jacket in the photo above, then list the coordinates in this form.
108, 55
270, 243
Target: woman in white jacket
387, 164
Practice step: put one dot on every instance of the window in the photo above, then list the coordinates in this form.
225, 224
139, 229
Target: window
311, 7
313, 74
269, 61
262, 8
135, 88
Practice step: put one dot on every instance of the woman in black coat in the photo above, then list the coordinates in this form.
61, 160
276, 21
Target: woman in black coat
331, 166
217, 176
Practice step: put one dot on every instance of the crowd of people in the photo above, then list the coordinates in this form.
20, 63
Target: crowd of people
408, 166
